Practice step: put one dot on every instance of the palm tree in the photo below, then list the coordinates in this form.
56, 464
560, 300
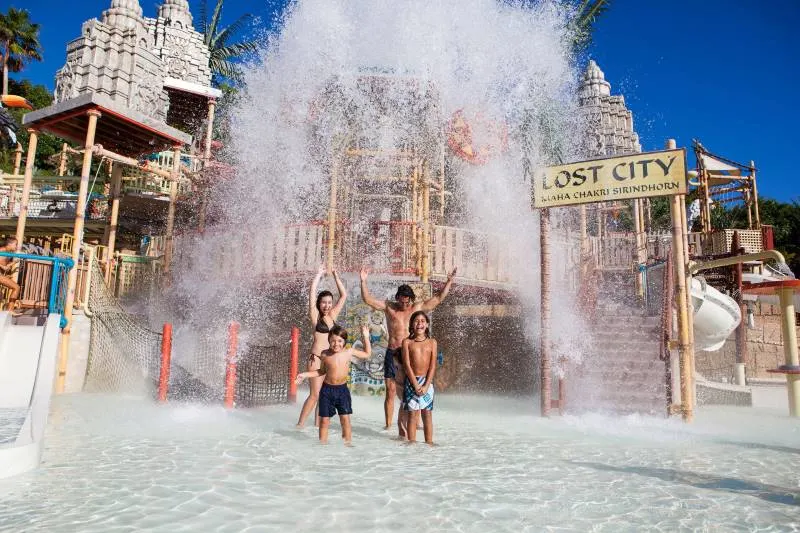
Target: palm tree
583, 19
19, 42
216, 39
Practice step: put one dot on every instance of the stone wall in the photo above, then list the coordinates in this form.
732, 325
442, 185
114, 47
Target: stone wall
764, 350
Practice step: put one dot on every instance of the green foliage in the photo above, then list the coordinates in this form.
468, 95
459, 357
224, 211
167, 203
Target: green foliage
49, 146
19, 42
583, 20
223, 52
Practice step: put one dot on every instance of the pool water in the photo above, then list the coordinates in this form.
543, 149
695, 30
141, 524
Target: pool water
123, 464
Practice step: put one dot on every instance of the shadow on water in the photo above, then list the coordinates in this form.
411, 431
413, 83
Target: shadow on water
759, 446
768, 493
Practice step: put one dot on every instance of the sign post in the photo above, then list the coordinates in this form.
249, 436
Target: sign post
627, 177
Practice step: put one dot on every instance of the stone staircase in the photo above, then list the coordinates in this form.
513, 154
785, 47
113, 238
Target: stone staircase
622, 372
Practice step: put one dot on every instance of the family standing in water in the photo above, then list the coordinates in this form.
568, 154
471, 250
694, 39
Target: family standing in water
409, 363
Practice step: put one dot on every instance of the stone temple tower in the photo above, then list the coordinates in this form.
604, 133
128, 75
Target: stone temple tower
609, 122
135, 60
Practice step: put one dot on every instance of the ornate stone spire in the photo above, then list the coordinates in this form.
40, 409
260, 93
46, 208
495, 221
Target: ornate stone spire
176, 12
594, 81
123, 14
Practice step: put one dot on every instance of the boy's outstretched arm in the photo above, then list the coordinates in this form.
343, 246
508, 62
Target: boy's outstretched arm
431, 303
311, 374
367, 297
366, 353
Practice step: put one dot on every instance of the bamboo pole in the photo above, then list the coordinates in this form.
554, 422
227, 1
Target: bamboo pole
77, 240
686, 355
638, 240
426, 224
441, 186
201, 216
332, 215
116, 187
33, 141
173, 197
544, 242
755, 193
62, 160
17, 158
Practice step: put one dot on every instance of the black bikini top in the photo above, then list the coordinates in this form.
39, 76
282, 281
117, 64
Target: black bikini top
322, 327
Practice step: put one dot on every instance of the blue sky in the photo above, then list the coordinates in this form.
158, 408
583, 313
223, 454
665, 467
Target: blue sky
722, 71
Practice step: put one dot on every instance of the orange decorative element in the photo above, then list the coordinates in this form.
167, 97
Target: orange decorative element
476, 140
12, 100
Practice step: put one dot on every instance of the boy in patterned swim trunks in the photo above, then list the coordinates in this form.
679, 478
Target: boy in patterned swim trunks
419, 363
334, 397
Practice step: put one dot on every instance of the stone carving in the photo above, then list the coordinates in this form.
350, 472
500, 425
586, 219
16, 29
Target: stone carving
142, 52
65, 83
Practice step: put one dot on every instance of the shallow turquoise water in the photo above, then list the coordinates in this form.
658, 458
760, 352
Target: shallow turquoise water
122, 464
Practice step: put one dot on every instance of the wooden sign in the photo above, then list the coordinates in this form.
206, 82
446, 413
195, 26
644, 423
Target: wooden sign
616, 178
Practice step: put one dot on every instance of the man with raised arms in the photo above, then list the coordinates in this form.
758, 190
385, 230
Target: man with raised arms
398, 313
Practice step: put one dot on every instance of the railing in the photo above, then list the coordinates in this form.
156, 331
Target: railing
43, 279
52, 207
479, 256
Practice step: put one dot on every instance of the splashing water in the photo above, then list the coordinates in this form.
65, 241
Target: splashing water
389, 75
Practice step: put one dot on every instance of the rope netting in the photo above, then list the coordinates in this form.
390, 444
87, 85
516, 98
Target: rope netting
124, 353
125, 357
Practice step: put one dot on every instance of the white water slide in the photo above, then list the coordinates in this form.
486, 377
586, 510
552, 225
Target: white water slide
716, 316
27, 369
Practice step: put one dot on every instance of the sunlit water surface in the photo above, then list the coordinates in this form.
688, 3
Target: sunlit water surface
120, 464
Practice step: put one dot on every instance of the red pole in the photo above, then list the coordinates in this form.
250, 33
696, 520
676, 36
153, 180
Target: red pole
230, 367
293, 360
166, 355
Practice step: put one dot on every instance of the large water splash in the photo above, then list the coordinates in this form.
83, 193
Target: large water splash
392, 75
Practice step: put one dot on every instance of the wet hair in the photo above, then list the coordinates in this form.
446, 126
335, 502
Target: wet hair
339, 331
322, 295
9, 240
411, 324
405, 290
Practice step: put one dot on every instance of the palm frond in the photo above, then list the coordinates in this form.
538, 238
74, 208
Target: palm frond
203, 24
212, 27
226, 69
230, 31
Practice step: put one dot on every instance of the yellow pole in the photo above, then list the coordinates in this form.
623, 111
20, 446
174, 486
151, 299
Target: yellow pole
33, 141
637, 220
788, 326
441, 189
426, 223
62, 163
17, 158
415, 208
77, 240
116, 186
173, 197
755, 193
201, 216
681, 300
332, 214
544, 341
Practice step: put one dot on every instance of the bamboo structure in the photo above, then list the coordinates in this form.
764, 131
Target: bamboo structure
201, 215
17, 159
77, 236
173, 197
677, 211
544, 242
332, 215
33, 140
116, 187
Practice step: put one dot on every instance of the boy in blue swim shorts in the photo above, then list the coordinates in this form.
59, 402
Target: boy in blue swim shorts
419, 363
334, 397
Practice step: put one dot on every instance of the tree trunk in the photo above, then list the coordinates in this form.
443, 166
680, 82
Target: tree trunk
5, 68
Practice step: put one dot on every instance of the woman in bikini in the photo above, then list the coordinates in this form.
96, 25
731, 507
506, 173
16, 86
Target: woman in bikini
323, 314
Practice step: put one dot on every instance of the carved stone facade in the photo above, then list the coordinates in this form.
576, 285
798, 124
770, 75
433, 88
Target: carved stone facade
127, 56
609, 122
